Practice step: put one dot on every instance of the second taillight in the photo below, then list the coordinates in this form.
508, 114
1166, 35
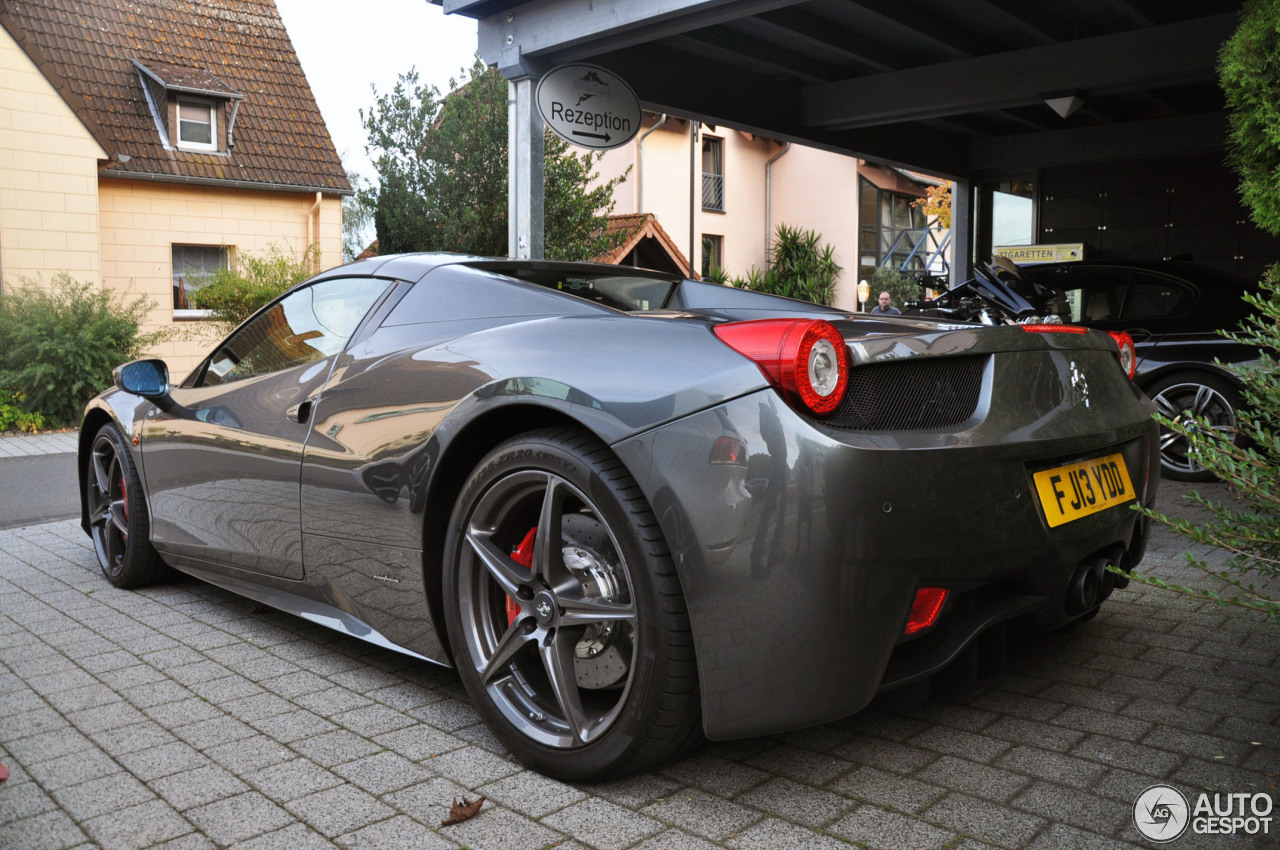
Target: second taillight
1128, 355
804, 358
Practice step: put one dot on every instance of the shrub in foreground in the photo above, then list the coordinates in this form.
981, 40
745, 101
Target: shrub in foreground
60, 341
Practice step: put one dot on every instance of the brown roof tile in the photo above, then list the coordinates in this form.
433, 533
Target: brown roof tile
636, 227
87, 48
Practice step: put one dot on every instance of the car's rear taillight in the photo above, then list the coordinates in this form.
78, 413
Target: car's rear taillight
1128, 355
804, 358
1055, 329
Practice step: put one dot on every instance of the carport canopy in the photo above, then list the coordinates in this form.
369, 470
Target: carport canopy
969, 90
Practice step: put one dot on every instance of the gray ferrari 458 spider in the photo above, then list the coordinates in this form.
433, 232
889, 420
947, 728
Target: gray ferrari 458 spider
632, 510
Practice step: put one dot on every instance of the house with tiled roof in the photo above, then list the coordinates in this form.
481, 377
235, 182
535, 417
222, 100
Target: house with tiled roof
643, 242
144, 143
721, 207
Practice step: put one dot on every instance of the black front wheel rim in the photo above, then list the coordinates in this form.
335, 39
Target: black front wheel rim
108, 507
553, 644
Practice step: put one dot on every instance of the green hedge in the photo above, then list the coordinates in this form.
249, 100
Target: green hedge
58, 345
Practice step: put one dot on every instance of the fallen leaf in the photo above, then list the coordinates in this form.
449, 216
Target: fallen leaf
4, 772
461, 811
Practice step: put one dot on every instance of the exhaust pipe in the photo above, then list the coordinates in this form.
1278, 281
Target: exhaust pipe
1090, 584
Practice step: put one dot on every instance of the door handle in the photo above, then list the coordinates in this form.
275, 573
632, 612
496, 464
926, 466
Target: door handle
299, 412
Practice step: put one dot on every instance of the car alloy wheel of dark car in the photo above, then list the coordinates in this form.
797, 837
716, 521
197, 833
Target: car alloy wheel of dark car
576, 647
1187, 398
117, 514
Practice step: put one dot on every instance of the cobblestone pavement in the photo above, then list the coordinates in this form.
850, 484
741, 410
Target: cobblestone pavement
185, 717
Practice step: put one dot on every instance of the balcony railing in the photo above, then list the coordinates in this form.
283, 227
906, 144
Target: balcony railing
712, 191
920, 249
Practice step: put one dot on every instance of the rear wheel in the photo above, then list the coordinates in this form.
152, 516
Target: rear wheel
1201, 395
118, 519
565, 615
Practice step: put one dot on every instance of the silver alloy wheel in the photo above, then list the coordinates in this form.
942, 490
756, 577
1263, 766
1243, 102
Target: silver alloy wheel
108, 507
1194, 398
534, 634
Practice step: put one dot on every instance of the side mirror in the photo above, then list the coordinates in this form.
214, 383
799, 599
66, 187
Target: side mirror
147, 378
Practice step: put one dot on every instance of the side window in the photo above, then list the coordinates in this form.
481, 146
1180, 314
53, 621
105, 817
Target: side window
1153, 298
1095, 296
306, 325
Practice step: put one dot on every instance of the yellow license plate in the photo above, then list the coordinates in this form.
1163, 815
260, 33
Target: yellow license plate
1076, 490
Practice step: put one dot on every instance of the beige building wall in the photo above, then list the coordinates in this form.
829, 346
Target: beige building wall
812, 189
48, 178
142, 221
816, 190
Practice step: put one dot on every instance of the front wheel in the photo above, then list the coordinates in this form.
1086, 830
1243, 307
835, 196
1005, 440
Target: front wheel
118, 520
1204, 396
564, 612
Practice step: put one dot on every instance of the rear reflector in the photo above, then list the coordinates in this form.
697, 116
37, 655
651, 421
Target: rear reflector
925, 609
728, 451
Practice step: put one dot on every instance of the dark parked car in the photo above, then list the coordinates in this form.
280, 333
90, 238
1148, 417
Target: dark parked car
630, 509
1173, 311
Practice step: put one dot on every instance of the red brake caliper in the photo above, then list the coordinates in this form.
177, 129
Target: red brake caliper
124, 499
523, 555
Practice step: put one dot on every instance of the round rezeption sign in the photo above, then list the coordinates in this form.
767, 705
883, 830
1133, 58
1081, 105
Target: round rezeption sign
589, 106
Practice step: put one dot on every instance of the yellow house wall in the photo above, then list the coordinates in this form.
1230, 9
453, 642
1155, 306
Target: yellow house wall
142, 221
48, 177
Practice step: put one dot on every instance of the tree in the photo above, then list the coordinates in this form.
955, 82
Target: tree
442, 174
900, 286
357, 218
1249, 72
936, 202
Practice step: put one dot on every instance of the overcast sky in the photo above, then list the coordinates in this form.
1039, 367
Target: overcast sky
344, 47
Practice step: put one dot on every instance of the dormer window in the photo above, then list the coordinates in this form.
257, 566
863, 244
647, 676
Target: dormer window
192, 108
197, 125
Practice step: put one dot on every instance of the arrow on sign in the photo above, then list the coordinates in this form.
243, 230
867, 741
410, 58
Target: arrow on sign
604, 137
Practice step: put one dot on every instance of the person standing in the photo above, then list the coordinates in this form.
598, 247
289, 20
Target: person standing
885, 307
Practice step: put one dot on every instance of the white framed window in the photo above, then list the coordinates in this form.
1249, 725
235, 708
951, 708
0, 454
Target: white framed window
193, 265
197, 125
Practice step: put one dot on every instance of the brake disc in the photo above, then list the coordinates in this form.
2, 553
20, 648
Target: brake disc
602, 655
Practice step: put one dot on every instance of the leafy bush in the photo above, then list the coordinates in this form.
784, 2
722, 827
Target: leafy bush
1249, 73
233, 295
900, 286
1252, 472
716, 275
59, 343
13, 417
800, 266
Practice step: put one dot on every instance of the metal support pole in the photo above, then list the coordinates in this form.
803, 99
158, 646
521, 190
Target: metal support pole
525, 172
695, 190
961, 232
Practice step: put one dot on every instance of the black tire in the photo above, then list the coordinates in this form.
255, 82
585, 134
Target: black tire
118, 520
581, 663
1201, 394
